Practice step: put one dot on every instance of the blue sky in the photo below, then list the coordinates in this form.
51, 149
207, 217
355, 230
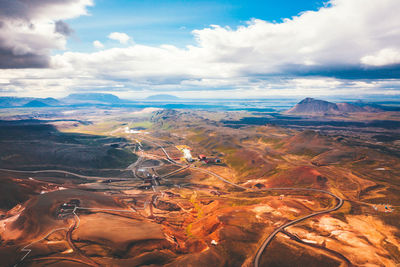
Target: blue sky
157, 22
207, 49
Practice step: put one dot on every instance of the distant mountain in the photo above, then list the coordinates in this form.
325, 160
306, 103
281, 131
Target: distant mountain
318, 107
9, 102
311, 105
162, 97
50, 101
92, 98
35, 104
72, 99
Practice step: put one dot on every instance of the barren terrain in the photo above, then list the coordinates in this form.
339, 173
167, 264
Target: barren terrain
113, 189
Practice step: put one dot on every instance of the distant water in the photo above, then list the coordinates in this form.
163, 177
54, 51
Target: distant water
242, 104
254, 105
260, 105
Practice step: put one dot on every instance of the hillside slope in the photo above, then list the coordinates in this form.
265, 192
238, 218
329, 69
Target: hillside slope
315, 106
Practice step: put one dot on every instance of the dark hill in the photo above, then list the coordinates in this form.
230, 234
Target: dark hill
317, 107
311, 106
35, 104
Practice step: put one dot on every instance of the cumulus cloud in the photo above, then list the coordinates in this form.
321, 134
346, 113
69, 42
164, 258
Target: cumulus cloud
43, 9
30, 29
334, 37
345, 40
338, 38
384, 57
121, 37
97, 44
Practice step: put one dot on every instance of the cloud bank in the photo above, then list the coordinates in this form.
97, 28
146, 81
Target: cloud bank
31, 29
336, 48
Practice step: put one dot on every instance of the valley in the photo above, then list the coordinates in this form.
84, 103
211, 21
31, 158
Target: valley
112, 187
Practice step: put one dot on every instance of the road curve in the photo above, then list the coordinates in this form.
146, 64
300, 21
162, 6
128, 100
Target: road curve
66, 172
88, 261
333, 252
221, 178
268, 240
163, 150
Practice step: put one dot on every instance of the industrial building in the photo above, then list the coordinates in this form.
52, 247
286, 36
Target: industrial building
207, 160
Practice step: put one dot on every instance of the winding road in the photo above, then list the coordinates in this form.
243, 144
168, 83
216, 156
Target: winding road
75, 225
270, 237
260, 250
67, 172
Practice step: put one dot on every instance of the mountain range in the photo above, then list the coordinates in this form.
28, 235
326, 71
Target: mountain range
7, 102
308, 106
72, 99
75, 99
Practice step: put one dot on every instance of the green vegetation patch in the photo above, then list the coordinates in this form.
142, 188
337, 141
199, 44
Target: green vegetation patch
41, 146
141, 124
117, 157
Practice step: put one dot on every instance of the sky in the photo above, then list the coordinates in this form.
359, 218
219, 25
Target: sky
200, 49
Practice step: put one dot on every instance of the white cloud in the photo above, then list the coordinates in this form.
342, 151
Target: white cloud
334, 36
31, 29
97, 44
341, 35
384, 57
44, 9
252, 58
121, 37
